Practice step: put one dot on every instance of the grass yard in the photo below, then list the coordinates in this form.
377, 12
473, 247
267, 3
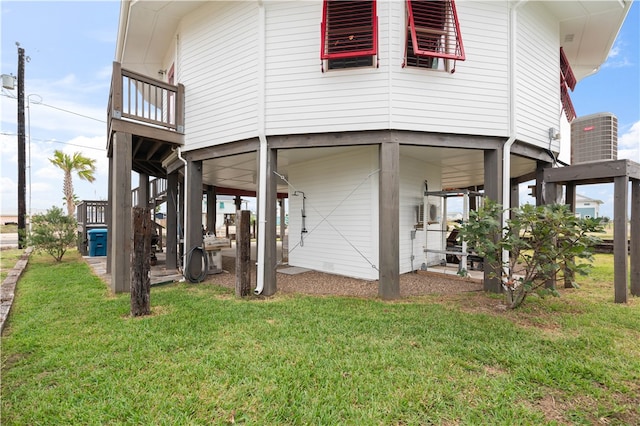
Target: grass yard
8, 229
8, 259
72, 355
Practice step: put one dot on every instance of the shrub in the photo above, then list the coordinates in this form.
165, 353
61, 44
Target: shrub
53, 232
541, 241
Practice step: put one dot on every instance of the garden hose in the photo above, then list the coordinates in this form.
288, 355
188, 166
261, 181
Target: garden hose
187, 266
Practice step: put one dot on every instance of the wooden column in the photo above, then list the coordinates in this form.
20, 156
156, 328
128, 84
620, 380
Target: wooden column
108, 214
193, 226
570, 200
143, 190
270, 256
389, 221
493, 190
211, 209
540, 166
181, 215
570, 197
284, 256
243, 253
514, 197
635, 237
172, 221
121, 213
620, 242
140, 279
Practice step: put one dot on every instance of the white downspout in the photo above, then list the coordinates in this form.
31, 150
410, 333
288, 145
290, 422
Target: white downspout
506, 150
262, 186
184, 213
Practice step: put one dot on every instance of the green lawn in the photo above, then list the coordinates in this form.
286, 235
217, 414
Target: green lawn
72, 355
8, 259
8, 229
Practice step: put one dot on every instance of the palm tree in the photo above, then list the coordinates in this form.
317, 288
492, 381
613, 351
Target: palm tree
83, 166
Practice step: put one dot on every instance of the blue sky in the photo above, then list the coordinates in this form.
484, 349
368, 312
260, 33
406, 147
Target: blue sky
71, 46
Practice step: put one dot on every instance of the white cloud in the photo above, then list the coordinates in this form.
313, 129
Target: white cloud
618, 57
629, 143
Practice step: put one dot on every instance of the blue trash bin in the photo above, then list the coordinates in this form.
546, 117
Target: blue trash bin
97, 242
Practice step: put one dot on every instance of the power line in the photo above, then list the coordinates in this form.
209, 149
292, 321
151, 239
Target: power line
55, 141
59, 109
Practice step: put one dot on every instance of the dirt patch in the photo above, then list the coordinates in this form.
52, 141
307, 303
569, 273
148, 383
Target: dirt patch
323, 284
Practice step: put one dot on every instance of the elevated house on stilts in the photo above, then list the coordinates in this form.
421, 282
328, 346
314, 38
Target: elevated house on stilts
353, 110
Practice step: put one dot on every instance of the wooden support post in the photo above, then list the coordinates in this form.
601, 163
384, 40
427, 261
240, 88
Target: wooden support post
193, 231
514, 197
620, 242
270, 257
121, 213
211, 209
635, 237
143, 190
550, 196
492, 281
569, 276
283, 245
172, 221
243, 253
108, 214
389, 221
140, 280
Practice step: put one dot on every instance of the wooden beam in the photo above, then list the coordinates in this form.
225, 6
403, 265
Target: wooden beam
620, 242
493, 190
224, 150
389, 221
600, 172
121, 214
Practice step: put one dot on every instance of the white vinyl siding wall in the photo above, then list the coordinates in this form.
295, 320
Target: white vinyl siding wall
341, 213
300, 97
413, 173
218, 66
474, 99
537, 74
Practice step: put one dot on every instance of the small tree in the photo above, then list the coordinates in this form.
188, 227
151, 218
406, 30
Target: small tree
541, 242
53, 232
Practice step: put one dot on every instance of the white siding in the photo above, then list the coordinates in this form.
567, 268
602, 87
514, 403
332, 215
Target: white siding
341, 213
474, 99
300, 98
218, 66
413, 173
537, 74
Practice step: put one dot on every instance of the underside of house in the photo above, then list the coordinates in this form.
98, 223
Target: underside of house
367, 143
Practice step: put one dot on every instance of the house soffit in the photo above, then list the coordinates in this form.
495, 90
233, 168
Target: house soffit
150, 30
588, 30
461, 168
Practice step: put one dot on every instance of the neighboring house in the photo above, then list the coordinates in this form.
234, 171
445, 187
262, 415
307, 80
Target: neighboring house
587, 207
350, 109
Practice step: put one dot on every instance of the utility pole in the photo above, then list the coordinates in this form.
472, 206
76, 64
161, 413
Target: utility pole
22, 187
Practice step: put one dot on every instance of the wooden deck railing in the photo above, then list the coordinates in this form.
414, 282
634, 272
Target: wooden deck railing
92, 214
139, 98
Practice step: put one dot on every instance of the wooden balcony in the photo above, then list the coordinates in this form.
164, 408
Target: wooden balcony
152, 111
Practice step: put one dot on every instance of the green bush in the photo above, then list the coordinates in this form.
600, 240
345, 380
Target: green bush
542, 241
53, 232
